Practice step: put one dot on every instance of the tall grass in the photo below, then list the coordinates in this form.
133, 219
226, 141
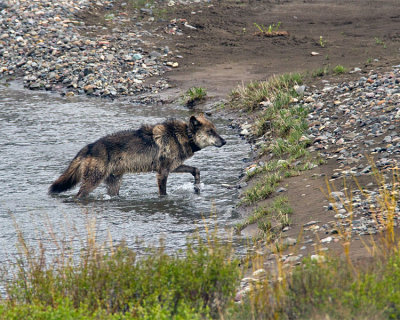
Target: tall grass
109, 282
329, 287
277, 89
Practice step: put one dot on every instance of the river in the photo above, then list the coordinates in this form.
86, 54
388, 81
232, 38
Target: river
41, 132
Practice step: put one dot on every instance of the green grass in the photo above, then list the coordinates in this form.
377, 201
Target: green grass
320, 72
194, 95
339, 69
380, 42
322, 42
332, 289
249, 97
271, 28
115, 283
262, 189
268, 217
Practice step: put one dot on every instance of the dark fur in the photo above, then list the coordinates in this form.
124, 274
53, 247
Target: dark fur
161, 148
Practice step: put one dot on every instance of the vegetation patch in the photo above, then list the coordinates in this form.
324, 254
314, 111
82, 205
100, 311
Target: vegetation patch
281, 126
193, 96
197, 283
270, 219
271, 31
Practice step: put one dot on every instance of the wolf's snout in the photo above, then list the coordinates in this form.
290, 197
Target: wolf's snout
222, 142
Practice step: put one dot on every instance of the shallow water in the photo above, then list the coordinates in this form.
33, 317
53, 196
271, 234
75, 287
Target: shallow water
41, 132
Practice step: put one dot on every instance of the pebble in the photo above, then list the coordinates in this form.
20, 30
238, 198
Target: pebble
45, 43
289, 241
348, 121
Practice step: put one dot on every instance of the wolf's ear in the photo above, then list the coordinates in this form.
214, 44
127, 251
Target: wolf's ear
194, 122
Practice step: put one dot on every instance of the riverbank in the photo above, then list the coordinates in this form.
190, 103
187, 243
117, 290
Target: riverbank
129, 48
349, 92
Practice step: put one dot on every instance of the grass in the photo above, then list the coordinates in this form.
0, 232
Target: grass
320, 72
339, 69
271, 28
322, 42
262, 189
326, 70
271, 219
248, 97
194, 95
114, 283
283, 126
380, 42
330, 287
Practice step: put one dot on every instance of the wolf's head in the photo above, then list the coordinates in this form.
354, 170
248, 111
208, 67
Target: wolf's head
204, 133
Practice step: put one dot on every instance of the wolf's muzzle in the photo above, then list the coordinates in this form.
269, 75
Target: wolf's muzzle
222, 143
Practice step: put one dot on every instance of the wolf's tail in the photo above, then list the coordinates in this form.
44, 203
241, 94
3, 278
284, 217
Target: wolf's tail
68, 179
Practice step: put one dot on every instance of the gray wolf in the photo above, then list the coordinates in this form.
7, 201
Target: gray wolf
160, 148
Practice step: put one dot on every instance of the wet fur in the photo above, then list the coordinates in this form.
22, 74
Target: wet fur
161, 148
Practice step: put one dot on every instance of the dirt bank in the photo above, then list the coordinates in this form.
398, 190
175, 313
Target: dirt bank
226, 48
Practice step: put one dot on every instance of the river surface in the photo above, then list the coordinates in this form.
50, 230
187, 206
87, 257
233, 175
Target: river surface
41, 132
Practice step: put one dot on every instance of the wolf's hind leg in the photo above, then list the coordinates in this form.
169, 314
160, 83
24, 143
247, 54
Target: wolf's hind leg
195, 173
113, 183
92, 177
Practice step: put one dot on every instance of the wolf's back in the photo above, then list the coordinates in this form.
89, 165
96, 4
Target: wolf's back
69, 178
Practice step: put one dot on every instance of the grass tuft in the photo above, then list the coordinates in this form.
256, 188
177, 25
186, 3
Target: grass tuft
194, 95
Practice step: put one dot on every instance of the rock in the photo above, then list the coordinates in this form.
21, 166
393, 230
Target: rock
173, 64
310, 223
337, 195
327, 240
299, 89
289, 242
318, 258
244, 132
292, 259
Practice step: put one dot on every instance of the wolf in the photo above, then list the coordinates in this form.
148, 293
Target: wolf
160, 148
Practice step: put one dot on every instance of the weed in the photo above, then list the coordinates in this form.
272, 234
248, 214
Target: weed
194, 95
380, 42
262, 189
113, 282
320, 72
322, 42
275, 216
326, 286
271, 28
250, 96
339, 69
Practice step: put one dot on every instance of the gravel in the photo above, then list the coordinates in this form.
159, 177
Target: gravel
49, 47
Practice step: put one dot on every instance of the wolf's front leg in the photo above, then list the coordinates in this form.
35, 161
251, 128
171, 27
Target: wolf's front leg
162, 177
194, 171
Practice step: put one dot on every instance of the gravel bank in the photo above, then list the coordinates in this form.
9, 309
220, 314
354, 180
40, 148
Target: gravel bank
46, 44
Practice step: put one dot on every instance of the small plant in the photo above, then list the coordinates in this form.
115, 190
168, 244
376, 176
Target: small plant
320, 72
322, 42
270, 219
194, 95
380, 42
271, 28
274, 27
263, 189
339, 69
